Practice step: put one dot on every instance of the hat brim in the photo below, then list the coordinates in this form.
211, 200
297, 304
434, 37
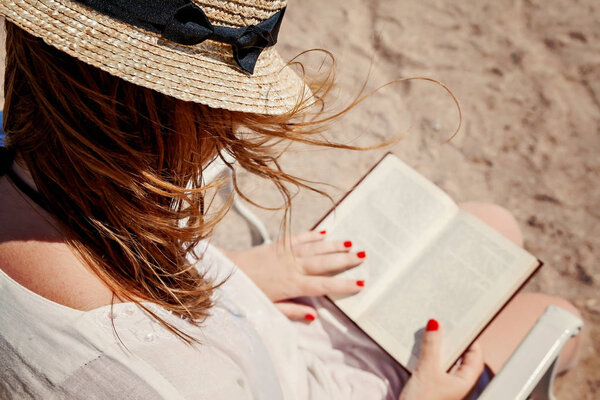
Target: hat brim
204, 73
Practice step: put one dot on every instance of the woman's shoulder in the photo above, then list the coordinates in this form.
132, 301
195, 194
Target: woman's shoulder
52, 271
34, 256
123, 344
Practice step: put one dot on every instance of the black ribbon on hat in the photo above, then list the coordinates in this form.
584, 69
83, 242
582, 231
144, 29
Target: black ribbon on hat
184, 22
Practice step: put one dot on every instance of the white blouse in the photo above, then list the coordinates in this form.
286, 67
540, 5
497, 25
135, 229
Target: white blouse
247, 350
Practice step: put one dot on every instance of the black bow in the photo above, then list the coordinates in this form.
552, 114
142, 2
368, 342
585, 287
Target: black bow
184, 22
189, 25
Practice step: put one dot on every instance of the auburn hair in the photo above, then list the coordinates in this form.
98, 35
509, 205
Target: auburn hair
122, 166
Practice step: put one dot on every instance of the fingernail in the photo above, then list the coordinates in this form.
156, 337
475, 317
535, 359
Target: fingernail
361, 254
347, 243
432, 325
360, 283
309, 317
323, 232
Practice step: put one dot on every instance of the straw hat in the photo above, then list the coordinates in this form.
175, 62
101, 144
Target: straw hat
195, 50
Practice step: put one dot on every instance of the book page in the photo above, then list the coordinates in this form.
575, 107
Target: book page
462, 280
391, 214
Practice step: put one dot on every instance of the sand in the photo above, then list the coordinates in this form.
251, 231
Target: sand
527, 75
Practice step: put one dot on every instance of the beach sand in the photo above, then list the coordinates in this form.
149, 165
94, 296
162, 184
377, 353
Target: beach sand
527, 75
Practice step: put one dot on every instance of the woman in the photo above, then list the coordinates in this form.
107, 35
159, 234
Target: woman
108, 286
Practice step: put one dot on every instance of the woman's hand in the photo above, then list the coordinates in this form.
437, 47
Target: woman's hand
430, 382
285, 272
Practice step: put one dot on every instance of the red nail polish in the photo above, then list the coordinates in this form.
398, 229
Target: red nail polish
323, 232
347, 243
360, 283
432, 325
361, 254
309, 317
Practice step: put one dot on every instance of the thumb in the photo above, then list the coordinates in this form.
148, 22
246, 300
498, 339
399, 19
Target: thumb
431, 347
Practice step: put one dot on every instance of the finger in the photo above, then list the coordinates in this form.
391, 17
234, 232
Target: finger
296, 312
472, 364
330, 263
323, 285
431, 348
308, 237
323, 247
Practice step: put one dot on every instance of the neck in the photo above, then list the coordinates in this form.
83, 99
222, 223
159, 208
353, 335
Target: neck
20, 169
23, 180
21, 217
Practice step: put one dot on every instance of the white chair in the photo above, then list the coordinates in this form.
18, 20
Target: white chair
222, 167
529, 372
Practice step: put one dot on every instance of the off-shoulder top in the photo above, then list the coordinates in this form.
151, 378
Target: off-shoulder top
246, 350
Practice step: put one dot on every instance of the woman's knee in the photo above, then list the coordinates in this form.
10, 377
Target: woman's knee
497, 217
540, 301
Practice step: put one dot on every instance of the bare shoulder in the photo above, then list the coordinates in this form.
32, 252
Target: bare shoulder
34, 255
52, 271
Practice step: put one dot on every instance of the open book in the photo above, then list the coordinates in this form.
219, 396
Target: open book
426, 258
